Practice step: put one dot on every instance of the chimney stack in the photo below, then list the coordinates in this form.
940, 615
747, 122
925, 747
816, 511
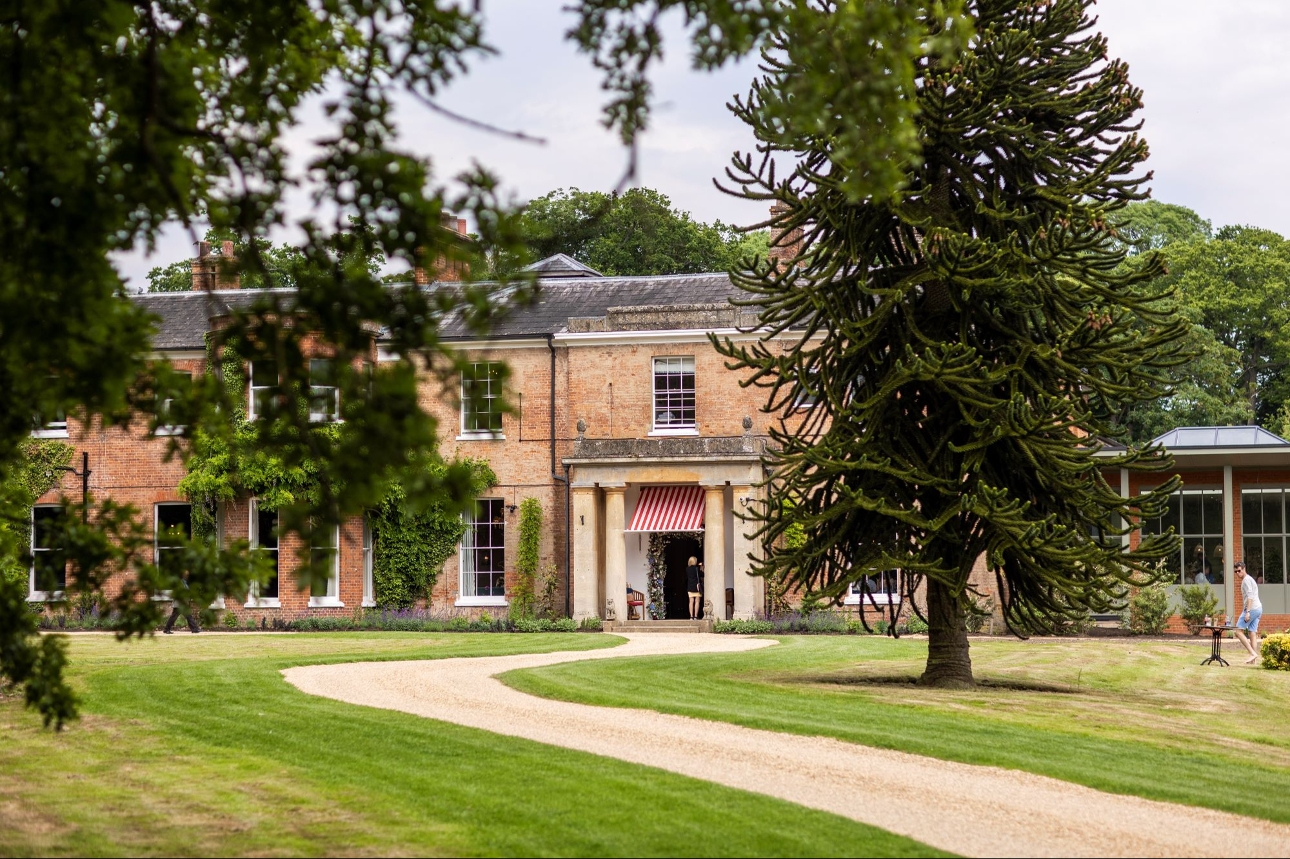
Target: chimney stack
444, 270
213, 271
785, 245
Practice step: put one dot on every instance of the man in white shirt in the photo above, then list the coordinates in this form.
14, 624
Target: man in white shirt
1252, 610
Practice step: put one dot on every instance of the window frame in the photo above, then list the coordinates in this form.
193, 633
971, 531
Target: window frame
1263, 535
252, 387
369, 581
56, 428
34, 595
680, 427
163, 410
492, 397
331, 599
315, 396
253, 598
881, 598
468, 554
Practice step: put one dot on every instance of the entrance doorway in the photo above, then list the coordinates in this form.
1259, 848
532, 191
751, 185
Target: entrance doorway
675, 555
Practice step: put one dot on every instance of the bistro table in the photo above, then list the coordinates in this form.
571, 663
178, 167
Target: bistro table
1216, 651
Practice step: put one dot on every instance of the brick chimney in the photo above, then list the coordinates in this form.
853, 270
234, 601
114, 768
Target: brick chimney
444, 270
785, 245
212, 271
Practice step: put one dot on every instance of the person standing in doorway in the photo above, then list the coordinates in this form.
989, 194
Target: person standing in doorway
692, 586
1252, 610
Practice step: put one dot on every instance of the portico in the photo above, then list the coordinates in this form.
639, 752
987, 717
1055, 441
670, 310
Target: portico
609, 479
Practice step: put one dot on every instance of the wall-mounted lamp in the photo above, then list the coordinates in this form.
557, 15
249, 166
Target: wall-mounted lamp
511, 508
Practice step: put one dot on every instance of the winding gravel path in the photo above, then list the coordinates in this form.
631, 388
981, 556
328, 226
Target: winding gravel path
971, 810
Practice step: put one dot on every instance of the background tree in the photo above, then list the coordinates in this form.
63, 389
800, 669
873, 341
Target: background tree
638, 232
119, 118
965, 337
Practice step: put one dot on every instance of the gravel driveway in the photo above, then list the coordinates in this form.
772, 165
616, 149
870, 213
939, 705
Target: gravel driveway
970, 810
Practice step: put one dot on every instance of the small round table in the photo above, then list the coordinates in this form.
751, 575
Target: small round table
1216, 650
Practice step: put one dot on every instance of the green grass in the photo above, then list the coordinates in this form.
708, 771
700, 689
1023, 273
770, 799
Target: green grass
1141, 718
197, 746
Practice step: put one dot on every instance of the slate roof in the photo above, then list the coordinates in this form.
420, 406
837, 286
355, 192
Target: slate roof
1216, 437
561, 298
576, 291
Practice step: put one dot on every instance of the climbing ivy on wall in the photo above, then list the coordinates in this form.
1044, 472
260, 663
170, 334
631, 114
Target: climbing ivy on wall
41, 467
523, 598
409, 546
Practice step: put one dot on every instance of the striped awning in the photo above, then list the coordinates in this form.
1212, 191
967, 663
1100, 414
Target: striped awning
669, 508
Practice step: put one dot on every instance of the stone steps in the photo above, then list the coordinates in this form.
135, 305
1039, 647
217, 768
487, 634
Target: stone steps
674, 626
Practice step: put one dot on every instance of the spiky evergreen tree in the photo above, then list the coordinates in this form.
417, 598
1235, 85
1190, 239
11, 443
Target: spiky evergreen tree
967, 339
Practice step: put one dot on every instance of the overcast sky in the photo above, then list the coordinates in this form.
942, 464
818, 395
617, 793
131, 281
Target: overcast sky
1214, 75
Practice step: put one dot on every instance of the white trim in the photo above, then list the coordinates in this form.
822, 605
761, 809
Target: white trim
50, 433
34, 595
254, 600
517, 343
482, 436
178, 354
674, 431
262, 602
368, 549
333, 581
169, 430
325, 602
218, 604
481, 601
878, 599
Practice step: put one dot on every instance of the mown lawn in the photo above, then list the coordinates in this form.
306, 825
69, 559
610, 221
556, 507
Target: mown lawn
194, 745
1124, 716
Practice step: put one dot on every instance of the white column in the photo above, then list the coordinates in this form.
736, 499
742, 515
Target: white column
586, 555
745, 584
1229, 542
615, 552
714, 551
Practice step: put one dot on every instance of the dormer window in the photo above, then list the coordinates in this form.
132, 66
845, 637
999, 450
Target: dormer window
674, 394
52, 425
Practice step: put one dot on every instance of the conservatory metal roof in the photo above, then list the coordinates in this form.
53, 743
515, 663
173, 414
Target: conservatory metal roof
1219, 437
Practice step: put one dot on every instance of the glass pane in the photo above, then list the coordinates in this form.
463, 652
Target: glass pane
1272, 513
1214, 556
1251, 513
44, 520
1273, 560
174, 523
1198, 567
1212, 502
264, 374
1193, 522
1253, 555
266, 528
1172, 517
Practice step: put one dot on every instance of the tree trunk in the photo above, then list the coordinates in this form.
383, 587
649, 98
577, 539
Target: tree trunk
948, 662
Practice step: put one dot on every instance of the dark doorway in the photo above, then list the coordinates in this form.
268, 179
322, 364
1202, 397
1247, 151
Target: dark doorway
675, 554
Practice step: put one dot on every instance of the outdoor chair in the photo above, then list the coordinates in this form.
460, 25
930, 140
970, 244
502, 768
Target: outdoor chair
635, 603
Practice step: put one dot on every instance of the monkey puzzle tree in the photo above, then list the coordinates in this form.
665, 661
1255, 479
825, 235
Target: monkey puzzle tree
965, 340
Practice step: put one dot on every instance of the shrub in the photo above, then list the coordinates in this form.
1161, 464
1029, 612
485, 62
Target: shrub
564, 624
744, 627
978, 612
1149, 610
591, 624
459, 624
528, 624
880, 627
1198, 603
914, 626
855, 627
250, 623
544, 600
1275, 651
230, 620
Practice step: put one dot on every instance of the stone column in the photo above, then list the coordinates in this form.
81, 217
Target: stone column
746, 603
586, 554
615, 552
714, 552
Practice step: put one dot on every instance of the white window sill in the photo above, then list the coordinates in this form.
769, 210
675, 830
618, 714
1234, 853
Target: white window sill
263, 602
164, 596
880, 599
325, 602
368, 603
323, 419
672, 431
475, 602
49, 433
45, 596
481, 436
218, 604
168, 431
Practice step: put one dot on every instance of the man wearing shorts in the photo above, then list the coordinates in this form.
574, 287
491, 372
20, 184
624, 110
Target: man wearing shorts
1248, 620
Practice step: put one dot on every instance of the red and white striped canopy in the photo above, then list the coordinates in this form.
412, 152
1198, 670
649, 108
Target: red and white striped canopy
669, 508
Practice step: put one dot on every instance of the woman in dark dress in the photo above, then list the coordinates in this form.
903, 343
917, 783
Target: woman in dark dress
692, 586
